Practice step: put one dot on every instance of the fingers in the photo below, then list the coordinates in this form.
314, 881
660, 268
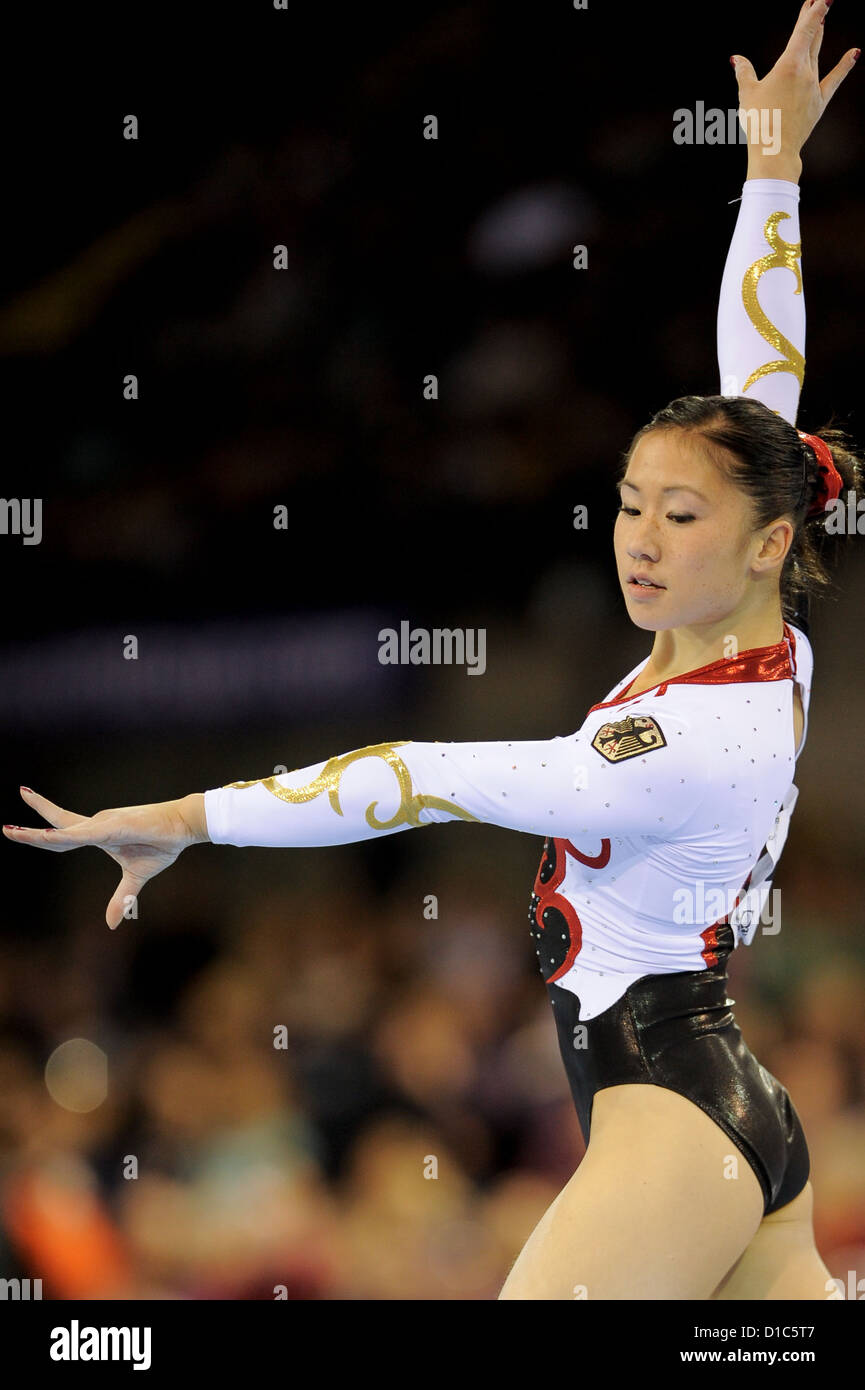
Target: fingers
744, 70
832, 81
62, 839
808, 26
48, 810
128, 887
57, 816
814, 51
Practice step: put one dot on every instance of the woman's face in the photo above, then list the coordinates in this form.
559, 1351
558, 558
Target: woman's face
684, 525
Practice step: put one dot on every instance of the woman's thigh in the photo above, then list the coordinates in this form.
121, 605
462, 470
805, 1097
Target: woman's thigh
782, 1260
661, 1207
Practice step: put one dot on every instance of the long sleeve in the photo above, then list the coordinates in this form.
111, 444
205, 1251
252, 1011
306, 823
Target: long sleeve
761, 313
559, 787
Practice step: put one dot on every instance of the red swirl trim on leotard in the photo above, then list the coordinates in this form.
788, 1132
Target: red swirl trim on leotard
546, 895
596, 861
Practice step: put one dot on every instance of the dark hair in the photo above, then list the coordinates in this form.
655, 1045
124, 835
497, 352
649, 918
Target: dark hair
762, 453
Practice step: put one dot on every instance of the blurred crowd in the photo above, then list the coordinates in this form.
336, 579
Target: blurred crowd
324, 1093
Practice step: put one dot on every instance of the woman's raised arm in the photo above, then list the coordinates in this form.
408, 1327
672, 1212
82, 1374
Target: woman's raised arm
761, 314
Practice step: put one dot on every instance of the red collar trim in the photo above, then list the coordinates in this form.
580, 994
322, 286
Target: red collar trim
775, 663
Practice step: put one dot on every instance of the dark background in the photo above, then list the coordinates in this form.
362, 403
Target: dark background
258, 647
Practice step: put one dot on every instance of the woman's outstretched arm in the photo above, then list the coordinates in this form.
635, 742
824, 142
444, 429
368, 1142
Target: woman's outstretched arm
562, 786
761, 314
593, 784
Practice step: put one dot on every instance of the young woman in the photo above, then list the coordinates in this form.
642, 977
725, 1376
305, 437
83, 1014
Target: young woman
675, 794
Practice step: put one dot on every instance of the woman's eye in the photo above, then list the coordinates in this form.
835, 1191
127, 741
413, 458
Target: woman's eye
671, 516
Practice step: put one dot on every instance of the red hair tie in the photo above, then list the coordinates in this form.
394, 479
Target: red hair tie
830, 482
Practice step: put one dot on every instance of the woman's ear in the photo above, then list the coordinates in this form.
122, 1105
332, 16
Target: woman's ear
777, 539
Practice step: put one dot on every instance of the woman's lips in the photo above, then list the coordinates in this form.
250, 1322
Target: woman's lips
644, 591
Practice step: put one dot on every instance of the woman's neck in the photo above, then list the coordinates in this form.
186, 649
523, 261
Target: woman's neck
678, 650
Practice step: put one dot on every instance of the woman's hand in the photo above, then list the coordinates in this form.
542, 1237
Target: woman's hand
143, 840
792, 88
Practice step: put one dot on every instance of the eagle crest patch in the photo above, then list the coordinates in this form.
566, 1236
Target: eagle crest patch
627, 737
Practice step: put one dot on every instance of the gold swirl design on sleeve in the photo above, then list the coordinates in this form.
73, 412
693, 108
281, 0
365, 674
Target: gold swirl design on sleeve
411, 803
784, 253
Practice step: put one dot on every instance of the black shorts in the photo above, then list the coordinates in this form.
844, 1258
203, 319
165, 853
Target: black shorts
678, 1031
